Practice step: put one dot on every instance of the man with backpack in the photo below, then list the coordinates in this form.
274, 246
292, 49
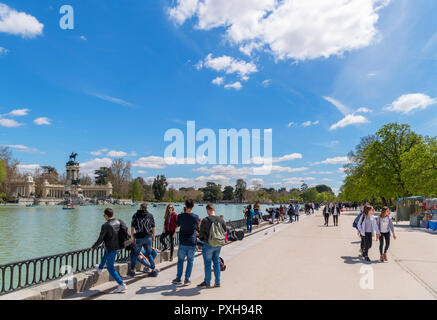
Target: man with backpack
111, 235
212, 234
144, 225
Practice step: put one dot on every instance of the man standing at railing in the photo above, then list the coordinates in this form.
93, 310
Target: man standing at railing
144, 237
110, 236
188, 224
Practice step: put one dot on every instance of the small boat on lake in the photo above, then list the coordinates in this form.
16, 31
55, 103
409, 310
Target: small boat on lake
68, 207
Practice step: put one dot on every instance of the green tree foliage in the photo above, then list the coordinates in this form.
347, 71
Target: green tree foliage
159, 187
135, 191
101, 176
240, 189
323, 188
228, 193
3, 172
395, 162
212, 192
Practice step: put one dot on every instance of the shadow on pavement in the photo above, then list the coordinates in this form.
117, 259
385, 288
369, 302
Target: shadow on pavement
352, 260
170, 290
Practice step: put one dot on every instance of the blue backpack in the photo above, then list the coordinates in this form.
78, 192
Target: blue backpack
355, 224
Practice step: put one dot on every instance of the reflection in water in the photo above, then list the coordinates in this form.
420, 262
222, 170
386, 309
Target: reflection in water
40, 231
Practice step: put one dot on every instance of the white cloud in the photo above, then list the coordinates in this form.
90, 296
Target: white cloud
291, 124
288, 29
349, 120
142, 171
363, 110
120, 154
42, 121
98, 152
112, 99
297, 181
411, 102
218, 81
18, 112
21, 148
288, 157
266, 83
3, 51
229, 65
83, 38
335, 160
90, 166
243, 172
9, 123
236, 85
19, 23
152, 162
309, 123
28, 168
340, 106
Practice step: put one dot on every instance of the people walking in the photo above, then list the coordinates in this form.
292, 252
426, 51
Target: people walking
326, 213
290, 212
212, 234
368, 226
335, 214
109, 235
188, 224
386, 228
296, 211
143, 231
170, 226
249, 214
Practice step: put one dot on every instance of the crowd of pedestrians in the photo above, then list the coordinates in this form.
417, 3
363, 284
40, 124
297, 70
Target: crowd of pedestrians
210, 233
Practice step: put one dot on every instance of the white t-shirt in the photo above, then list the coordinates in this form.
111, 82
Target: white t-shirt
384, 224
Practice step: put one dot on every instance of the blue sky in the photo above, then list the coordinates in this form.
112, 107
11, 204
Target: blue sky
320, 74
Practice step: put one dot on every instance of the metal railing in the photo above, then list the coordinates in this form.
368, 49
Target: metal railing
23, 274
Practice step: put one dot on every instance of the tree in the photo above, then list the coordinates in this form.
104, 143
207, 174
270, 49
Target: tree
51, 174
212, 192
11, 166
3, 172
323, 188
148, 192
228, 193
381, 164
135, 191
240, 189
304, 187
159, 187
420, 165
101, 176
120, 176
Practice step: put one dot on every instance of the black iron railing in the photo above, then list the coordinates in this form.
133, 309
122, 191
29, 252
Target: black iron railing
23, 274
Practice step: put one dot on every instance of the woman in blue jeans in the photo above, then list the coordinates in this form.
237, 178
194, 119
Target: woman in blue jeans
249, 213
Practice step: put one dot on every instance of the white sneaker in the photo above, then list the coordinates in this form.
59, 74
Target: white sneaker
120, 288
98, 270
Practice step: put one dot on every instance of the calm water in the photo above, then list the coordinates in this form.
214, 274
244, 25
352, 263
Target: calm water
34, 232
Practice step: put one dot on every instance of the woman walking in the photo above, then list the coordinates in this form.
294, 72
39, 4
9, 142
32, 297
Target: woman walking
249, 214
368, 226
386, 228
170, 227
335, 214
326, 213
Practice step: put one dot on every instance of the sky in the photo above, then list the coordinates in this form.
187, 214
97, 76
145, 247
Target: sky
320, 74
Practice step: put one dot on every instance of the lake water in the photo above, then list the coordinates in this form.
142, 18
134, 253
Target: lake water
40, 231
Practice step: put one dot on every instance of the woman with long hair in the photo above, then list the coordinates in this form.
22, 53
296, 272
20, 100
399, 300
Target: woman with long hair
170, 227
385, 225
368, 226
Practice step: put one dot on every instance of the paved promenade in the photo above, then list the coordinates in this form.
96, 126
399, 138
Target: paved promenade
306, 260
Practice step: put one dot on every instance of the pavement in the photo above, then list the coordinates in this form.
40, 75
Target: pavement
301, 261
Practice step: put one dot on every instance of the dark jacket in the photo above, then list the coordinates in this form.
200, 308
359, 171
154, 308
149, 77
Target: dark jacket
109, 235
205, 227
143, 222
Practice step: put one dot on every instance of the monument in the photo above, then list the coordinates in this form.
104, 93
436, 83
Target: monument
70, 193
